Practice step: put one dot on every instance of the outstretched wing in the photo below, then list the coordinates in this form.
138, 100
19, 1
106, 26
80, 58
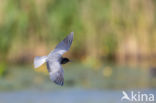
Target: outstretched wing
64, 45
56, 73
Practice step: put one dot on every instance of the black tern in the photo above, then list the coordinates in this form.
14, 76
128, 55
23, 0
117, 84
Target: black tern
54, 60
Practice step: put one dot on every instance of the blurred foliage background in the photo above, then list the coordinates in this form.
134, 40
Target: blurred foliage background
107, 33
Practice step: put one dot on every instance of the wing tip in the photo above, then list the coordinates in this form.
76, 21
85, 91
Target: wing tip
57, 79
59, 83
71, 34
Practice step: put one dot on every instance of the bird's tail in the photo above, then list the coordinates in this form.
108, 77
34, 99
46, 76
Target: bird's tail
39, 60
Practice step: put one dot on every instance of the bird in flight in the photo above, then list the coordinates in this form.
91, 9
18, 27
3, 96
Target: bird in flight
54, 60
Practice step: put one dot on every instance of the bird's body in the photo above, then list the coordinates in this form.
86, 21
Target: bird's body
55, 59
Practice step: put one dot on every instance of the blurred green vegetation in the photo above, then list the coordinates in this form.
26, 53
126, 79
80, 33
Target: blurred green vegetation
115, 30
76, 75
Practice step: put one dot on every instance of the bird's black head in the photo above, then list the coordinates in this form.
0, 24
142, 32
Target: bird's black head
64, 60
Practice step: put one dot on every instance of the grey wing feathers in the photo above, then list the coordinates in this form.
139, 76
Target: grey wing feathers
56, 73
64, 45
57, 77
